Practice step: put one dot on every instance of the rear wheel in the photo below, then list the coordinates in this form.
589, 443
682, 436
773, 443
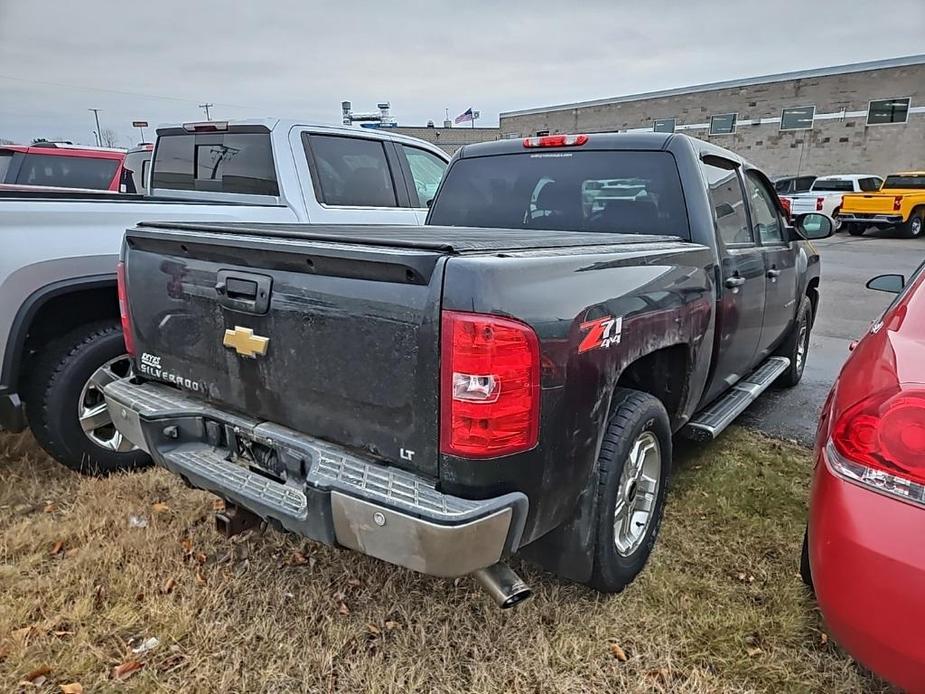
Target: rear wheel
65, 405
633, 471
855, 229
912, 229
837, 224
796, 346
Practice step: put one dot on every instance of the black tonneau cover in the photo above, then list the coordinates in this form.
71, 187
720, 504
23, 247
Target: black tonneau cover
449, 240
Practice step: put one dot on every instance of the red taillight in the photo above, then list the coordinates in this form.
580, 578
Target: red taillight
819, 203
489, 386
785, 203
884, 434
123, 310
897, 203
556, 141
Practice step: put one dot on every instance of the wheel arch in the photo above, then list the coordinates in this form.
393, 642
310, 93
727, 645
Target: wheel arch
663, 374
52, 311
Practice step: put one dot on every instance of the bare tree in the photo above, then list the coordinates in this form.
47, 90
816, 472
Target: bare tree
109, 138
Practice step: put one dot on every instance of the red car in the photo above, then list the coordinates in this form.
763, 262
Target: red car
51, 164
865, 549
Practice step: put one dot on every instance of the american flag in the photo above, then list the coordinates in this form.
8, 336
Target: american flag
465, 117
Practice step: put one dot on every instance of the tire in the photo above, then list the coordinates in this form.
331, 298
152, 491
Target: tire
837, 224
796, 346
855, 229
805, 571
912, 228
60, 384
638, 423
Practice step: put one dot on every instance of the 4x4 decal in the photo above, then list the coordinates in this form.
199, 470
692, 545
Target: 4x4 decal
602, 332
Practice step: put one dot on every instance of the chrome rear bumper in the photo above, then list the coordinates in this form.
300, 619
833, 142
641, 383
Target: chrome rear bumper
315, 489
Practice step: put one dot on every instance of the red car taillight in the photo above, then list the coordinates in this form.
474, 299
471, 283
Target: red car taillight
489, 386
897, 203
124, 310
880, 442
819, 203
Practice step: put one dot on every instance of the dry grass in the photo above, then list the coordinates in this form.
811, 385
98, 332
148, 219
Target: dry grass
719, 608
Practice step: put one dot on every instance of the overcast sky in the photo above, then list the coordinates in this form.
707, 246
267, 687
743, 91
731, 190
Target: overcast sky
157, 60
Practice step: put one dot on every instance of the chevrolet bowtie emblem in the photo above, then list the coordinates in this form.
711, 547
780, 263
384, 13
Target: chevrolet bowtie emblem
244, 342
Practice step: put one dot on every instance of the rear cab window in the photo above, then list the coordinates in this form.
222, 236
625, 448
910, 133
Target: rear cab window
65, 171
910, 181
833, 185
235, 161
635, 192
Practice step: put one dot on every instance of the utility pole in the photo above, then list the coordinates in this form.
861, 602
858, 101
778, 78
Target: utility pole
99, 137
206, 107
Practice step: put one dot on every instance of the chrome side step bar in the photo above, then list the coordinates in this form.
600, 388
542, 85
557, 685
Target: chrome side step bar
708, 424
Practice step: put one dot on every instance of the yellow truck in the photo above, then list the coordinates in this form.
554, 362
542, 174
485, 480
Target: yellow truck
899, 204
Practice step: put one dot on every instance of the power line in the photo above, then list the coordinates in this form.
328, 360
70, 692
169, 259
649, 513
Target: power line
206, 108
115, 91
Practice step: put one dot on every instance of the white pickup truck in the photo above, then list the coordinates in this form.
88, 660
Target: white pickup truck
60, 336
825, 194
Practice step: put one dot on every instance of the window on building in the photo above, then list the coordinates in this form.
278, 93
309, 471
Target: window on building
885, 111
664, 125
723, 124
728, 204
797, 118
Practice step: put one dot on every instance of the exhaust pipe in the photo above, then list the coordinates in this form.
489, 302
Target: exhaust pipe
504, 586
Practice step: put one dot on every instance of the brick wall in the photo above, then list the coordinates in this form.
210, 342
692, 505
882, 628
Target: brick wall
839, 142
451, 139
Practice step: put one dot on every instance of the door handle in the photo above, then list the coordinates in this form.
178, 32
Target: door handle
773, 273
734, 281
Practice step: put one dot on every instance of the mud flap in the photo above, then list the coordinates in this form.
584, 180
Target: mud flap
568, 550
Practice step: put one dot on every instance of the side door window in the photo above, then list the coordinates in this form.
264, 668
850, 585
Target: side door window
350, 171
740, 306
766, 222
804, 183
728, 206
426, 173
869, 184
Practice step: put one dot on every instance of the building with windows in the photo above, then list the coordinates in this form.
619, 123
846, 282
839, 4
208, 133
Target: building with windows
450, 139
862, 117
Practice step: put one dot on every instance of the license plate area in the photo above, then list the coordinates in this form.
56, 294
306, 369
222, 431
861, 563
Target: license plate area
260, 456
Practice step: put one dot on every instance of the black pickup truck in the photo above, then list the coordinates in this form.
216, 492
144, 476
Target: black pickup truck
507, 379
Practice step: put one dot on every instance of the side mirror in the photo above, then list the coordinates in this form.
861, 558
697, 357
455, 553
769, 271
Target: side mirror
887, 283
814, 226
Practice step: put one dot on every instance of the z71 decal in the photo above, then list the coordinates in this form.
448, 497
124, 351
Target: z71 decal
601, 332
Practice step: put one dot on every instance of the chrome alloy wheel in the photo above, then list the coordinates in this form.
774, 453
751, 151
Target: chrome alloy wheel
92, 412
636, 494
802, 345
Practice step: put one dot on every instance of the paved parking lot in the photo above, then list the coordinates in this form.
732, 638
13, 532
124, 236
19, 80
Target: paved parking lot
847, 308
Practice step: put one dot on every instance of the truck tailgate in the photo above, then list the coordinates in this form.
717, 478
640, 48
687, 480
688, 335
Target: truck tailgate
333, 339
870, 203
